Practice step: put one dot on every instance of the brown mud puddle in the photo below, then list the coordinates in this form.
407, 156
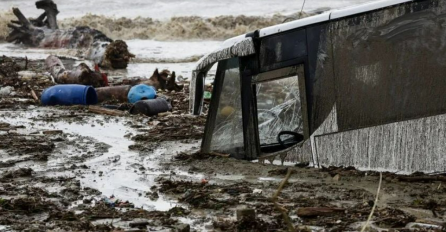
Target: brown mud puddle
64, 168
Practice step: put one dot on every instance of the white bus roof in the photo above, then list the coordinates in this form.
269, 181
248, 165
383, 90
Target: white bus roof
330, 15
369, 6
326, 16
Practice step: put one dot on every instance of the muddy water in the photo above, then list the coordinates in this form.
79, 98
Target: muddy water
180, 57
167, 8
128, 175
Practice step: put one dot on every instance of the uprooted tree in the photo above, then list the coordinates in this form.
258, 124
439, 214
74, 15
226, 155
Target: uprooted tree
43, 32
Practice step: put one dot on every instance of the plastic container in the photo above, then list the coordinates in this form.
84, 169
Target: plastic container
69, 95
151, 107
141, 92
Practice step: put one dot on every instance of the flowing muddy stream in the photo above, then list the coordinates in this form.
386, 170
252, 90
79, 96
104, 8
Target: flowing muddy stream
124, 173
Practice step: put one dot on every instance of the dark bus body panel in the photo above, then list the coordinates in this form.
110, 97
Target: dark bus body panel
390, 65
371, 86
378, 67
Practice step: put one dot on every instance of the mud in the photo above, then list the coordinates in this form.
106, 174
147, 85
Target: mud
68, 169
347, 189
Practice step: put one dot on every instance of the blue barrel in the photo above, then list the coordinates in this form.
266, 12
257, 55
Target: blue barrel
69, 95
141, 92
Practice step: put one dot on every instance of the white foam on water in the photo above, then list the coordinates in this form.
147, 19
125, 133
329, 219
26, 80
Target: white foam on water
173, 51
15, 50
163, 9
145, 50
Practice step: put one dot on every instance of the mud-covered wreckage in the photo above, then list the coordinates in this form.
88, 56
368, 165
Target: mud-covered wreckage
362, 86
44, 32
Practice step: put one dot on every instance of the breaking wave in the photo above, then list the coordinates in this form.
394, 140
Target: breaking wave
176, 28
5, 18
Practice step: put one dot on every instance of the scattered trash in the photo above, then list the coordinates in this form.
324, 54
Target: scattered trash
139, 224
27, 75
158, 80
52, 132
153, 196
336, 178
151, 107
141, 92
112, 201
104, 75
81, 74
246, 214
102, 110
164, 81
44, 32
117, 55
69, 95
318, 211
207, 95
422, 226
22, 172
182, 228
6, 91
34, 95
56, 195
257, 191
109, 201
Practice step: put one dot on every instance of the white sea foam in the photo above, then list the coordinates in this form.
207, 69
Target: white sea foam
146, 51
172, 19
165, 9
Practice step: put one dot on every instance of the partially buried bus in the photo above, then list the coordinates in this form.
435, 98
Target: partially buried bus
363, 86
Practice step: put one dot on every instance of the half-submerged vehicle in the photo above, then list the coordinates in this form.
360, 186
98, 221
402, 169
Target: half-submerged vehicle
363, 86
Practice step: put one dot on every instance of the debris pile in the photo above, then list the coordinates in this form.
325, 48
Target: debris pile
173, 127
117, 55
57, 160
22, 78
44, 32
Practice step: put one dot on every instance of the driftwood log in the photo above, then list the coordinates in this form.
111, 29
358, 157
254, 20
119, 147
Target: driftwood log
43, 32
81, 74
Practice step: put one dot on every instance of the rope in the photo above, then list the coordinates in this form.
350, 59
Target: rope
302, 9
376, 202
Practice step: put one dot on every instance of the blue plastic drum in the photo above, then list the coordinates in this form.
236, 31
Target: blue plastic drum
141, 92
69, 95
